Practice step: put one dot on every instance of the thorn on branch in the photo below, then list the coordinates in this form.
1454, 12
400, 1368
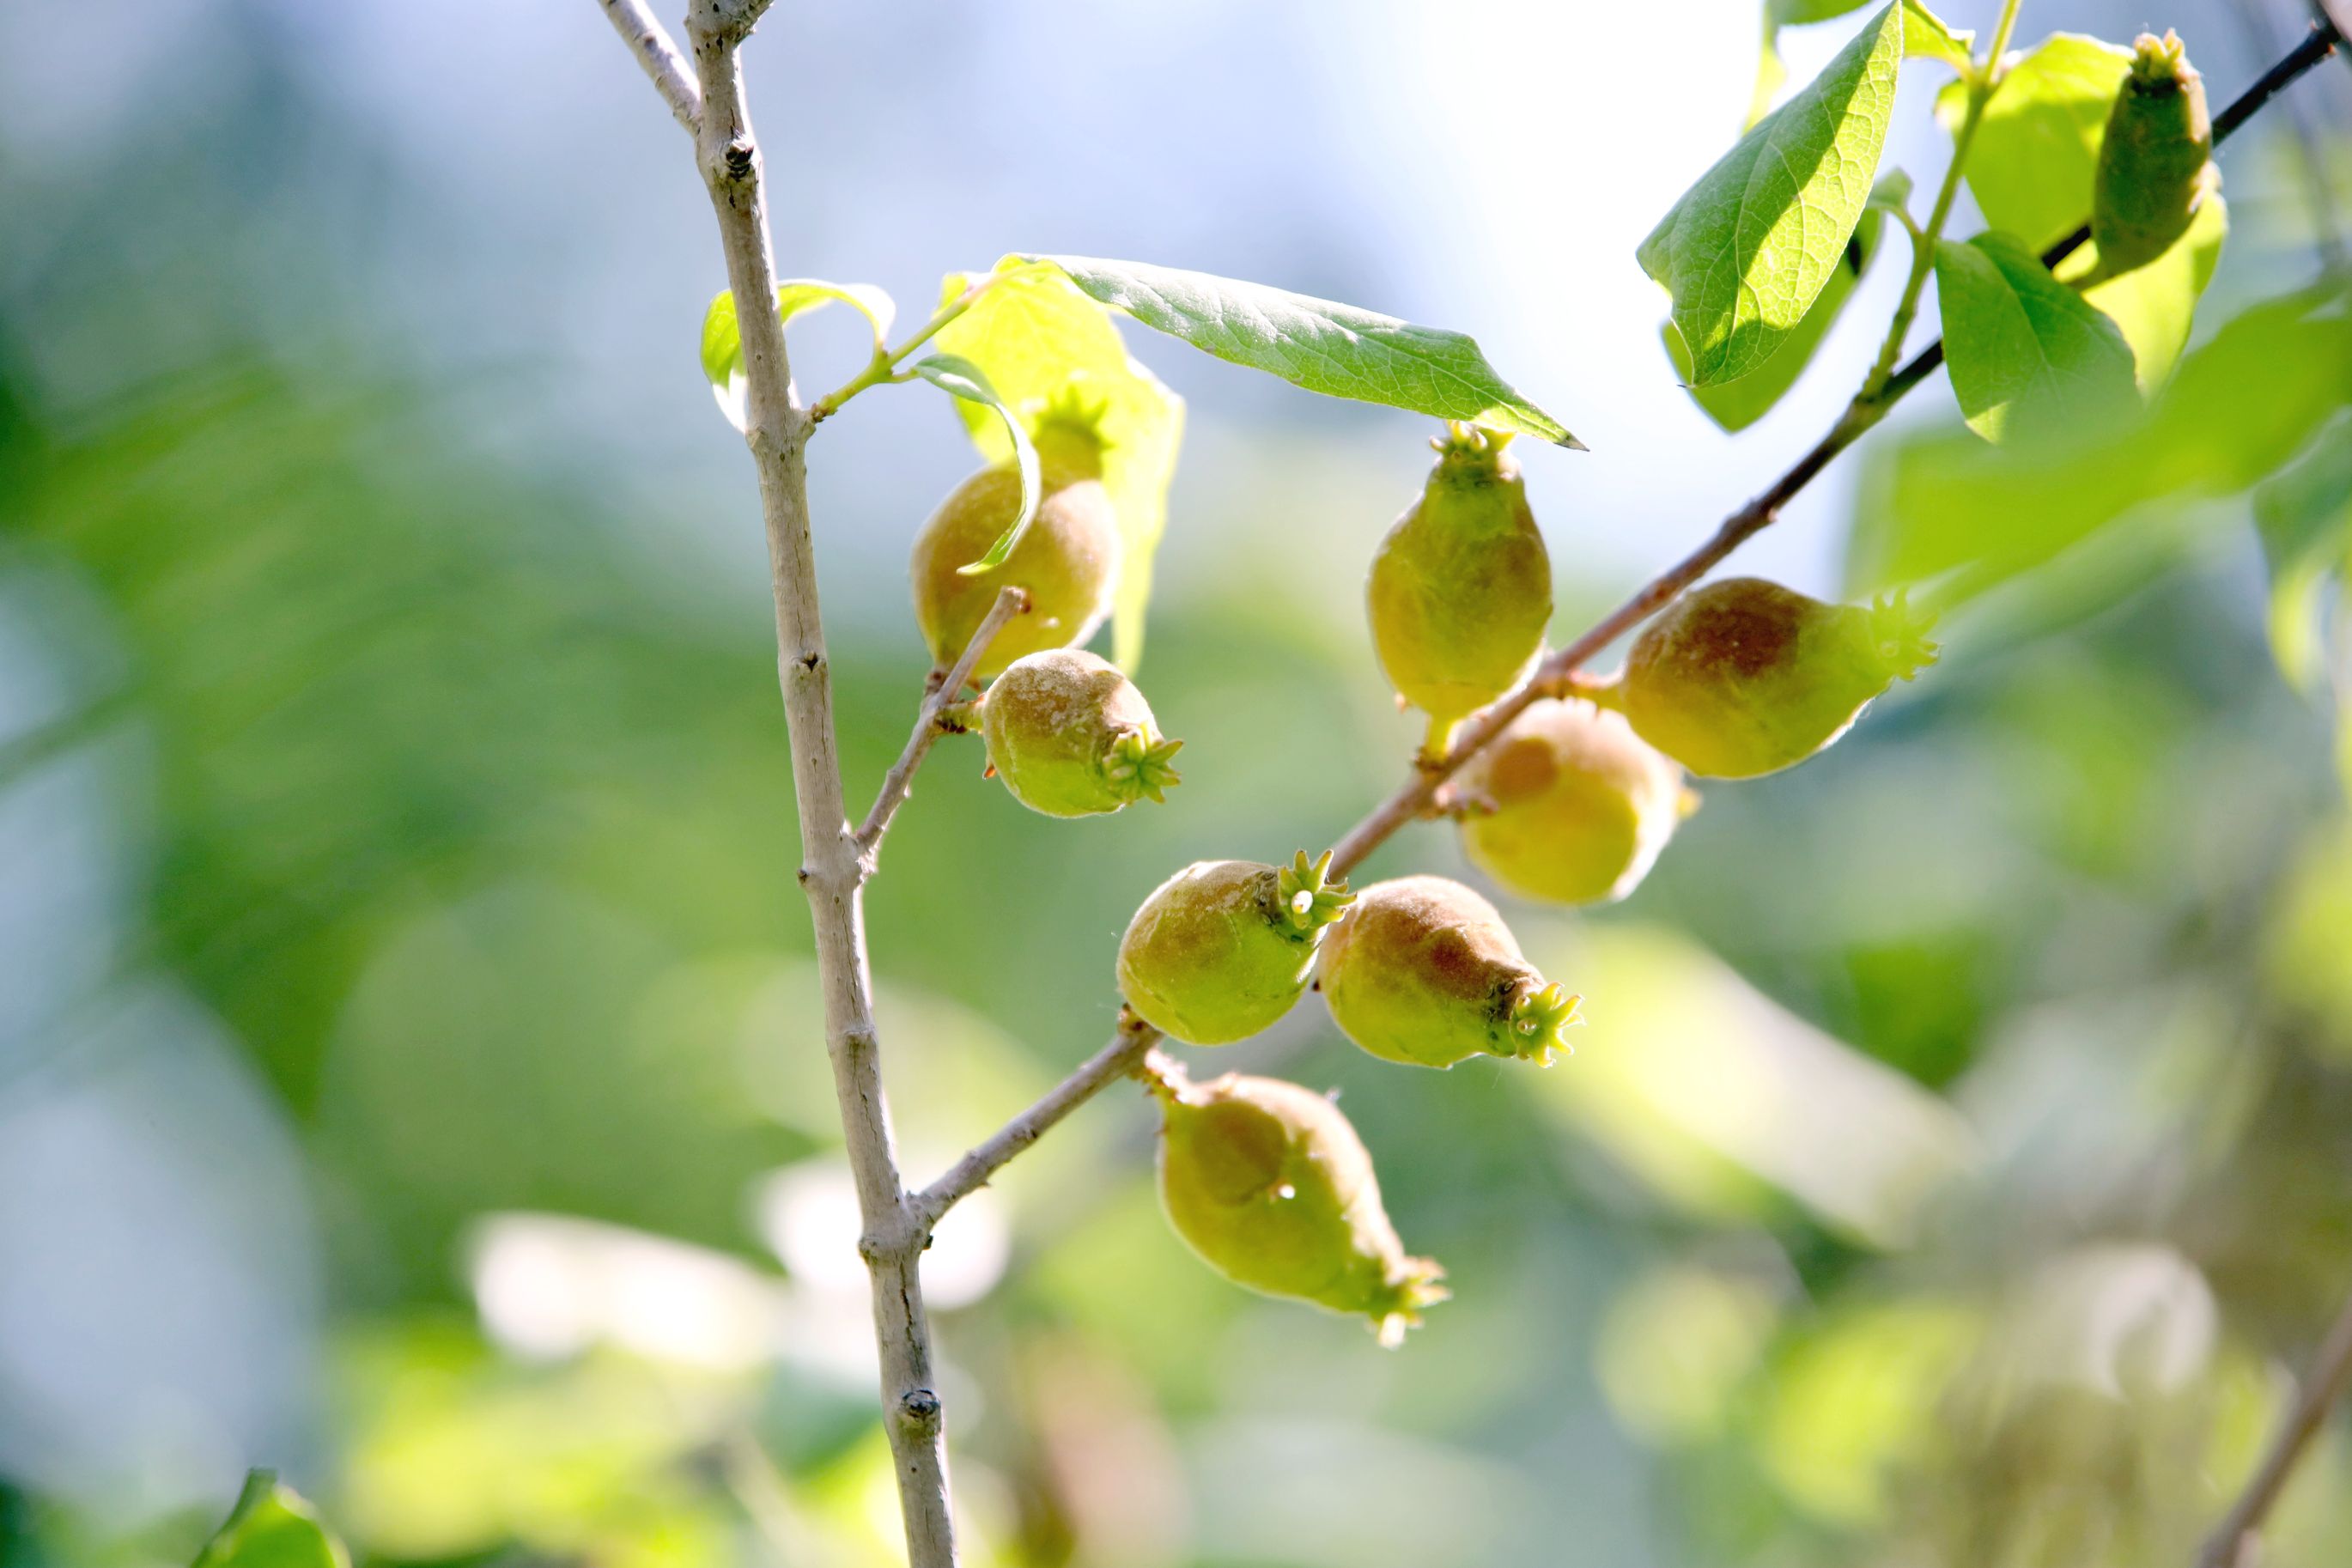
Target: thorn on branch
739, 157
920, 1408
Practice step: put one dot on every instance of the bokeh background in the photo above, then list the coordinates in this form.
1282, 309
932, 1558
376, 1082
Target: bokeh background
409, 1072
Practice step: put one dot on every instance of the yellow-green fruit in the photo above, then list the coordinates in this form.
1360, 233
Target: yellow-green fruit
2156, 163
1071, 736
1067, 560
1422, 971
1569, 806
1460, 590
1273, 1188
1745, 676
1222, 949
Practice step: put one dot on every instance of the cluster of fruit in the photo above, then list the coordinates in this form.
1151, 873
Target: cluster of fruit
1572, 804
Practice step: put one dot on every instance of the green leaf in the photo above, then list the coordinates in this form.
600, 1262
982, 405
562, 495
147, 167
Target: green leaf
722, 337
1736, 404
2156, 305
2026, 352
1925, 37
1337, 349
2240, 407
1747, 248
1038, 339
271, 1527
2037, 146
2305, 519
966, 381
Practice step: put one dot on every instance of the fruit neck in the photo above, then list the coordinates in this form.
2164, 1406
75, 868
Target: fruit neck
1069, 439
2160, 65
1308, 898
1469, 457
1538, 1020
1897, 632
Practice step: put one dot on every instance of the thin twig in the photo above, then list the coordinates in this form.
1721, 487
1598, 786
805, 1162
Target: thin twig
1129, 1046
1010, 602
646, 38
1415, 796
2331, 1374
2310, 148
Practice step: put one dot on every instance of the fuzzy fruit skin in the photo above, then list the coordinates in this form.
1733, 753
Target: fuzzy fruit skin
1071, 736
1460, 590
1271, 1186
2155, 165
1422, 971
1222, 949
1569, 806
1068, 561
1743, 678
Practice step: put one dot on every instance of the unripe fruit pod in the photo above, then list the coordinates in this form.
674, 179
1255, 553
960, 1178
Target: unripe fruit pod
1744, 677
1222, 949
1271, 1186
1071, 736
1424, 971
1460, 589
2156, 164
1066, 561
1567, 805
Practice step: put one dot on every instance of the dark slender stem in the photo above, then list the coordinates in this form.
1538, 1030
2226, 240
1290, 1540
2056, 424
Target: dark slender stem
2331, 1374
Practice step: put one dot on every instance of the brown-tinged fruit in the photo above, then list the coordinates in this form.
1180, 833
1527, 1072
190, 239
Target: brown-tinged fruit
1744, 677
1066, 561
1223, 949
1424, 971
1567, 805
1271, 1186
1071, 736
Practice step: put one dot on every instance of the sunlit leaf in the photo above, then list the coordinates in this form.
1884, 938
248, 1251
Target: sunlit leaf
1038, 339
1925, 37
2240, 407
2026, 352
722, 336
2304, 518
271, 1527
962, 378
1736, 404
1747, 248
2037, 145
2156, 305
1338, 350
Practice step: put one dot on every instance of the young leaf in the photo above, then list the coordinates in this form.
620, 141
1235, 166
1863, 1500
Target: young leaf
722, 335
271, 1527
1749, 247
2026, 352
966, 381
1038, 339
2038, 144
2304, 518
2240, 407
1736, 404
1337, 349
1925, 37
2156, 305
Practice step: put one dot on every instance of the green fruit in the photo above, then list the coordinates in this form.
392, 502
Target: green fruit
1222, 949
2156, 163
1569, 806
1744, 677
1424, 971
1071, 736
1067, 560
1460, 590
1273, 1188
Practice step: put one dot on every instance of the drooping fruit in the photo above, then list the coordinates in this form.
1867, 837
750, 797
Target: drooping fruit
2156, 164
1269, 1183
1222, 949
1460, 590
1071, 736
1744, 677
1067, 560
1422, 971
1569, 806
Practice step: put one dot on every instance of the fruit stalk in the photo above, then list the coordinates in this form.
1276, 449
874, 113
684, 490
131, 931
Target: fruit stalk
944, 691
833, 868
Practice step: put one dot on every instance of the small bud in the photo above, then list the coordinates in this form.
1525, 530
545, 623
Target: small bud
1269, 1183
